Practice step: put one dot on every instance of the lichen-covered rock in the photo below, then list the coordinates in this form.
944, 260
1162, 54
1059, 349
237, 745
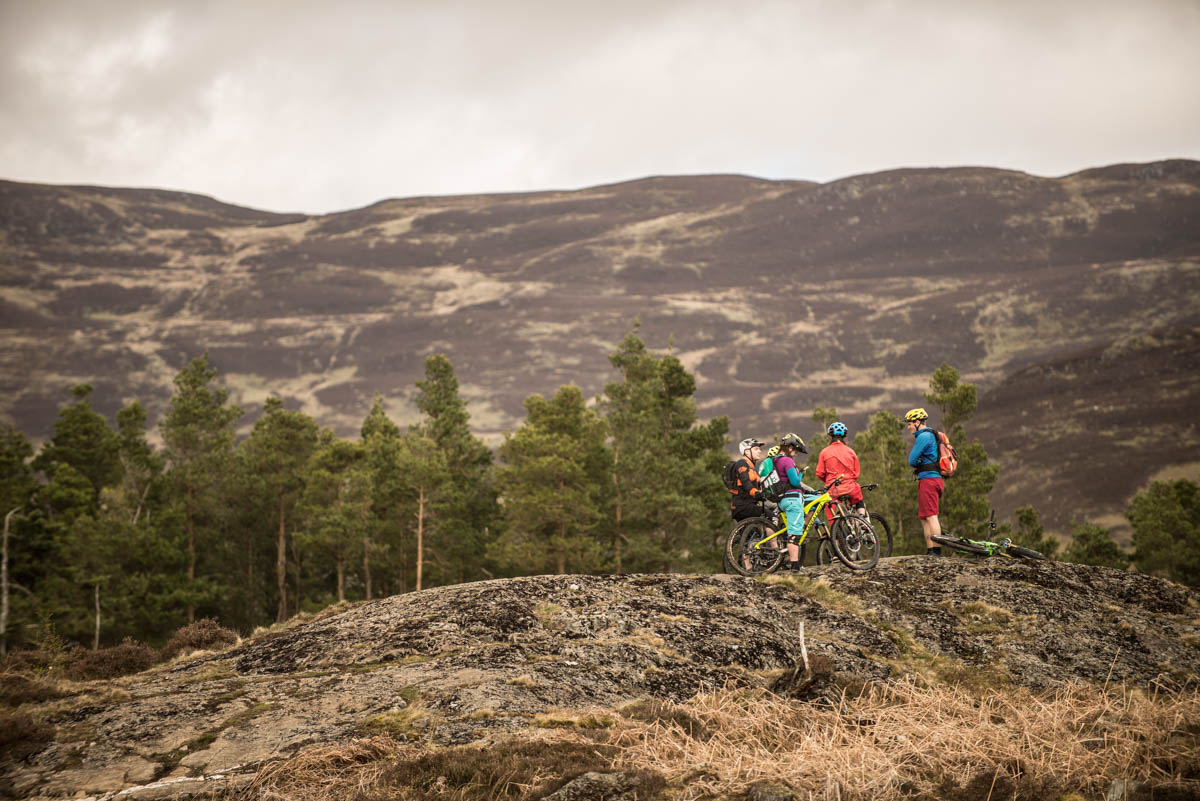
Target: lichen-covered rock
474, 662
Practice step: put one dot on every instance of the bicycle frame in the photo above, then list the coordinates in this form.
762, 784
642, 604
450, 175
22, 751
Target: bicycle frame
812, 515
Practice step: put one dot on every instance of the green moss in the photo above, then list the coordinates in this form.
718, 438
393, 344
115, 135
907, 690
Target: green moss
820, 592
408, 723
214, 671
75, 733
243, 718
546, 613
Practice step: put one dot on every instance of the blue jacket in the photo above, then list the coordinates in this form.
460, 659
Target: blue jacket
925, 449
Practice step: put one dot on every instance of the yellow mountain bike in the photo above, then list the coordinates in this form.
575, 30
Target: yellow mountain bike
758, 545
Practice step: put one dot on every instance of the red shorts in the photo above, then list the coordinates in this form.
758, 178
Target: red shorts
929, 494
854, 497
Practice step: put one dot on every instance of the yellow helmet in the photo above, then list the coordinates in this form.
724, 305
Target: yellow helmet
916, 416
773, 452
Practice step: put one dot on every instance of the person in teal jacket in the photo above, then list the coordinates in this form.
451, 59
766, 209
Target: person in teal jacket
792, 502
923, 458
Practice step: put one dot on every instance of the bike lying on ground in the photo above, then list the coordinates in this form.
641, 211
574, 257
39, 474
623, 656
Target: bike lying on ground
758, 545
1004, 547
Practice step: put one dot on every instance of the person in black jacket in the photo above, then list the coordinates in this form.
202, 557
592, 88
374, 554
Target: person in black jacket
745, 497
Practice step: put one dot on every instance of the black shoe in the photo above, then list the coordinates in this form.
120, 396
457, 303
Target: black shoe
791, 567
935, 551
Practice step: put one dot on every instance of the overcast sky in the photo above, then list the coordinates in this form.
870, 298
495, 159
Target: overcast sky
315, 107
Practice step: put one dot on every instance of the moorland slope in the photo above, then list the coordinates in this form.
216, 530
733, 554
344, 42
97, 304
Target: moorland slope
1056, 294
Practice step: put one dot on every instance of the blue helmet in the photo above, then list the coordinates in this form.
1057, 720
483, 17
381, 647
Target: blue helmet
837, 429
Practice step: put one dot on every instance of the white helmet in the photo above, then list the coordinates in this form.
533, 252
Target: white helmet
749, 443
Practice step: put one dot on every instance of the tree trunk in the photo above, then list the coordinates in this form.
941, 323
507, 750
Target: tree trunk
617, 528
341, 578
191, 573
296, 555
366, 523
141, 503
562, 553
4, 586
367, 565
96, 633
420, 535
281, 612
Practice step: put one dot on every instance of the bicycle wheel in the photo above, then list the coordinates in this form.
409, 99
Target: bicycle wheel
825, 552
855, 542
883, 530
959, 544
1025, 553
744, 557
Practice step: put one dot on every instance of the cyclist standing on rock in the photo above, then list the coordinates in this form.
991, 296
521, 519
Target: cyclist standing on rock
924, 461
792, 502
746, 494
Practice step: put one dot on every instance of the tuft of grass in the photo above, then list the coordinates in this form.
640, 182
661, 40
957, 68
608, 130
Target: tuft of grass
560, 719
406, 724
524, 680
546, 612
652, 710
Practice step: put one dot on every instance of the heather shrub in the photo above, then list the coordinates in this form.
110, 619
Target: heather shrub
16, 690
106, 663
22, 735
203, 635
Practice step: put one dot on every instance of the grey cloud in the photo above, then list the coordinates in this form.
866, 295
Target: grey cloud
318, 107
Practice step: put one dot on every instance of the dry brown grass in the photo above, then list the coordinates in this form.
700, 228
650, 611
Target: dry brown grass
889, 742
892, 741
332, 772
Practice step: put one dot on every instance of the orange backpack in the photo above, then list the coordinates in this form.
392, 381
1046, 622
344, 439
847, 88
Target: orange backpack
947, 457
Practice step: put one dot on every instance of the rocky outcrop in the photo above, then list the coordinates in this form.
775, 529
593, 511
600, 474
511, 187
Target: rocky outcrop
473, 662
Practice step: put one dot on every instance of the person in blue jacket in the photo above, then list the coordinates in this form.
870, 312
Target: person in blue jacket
923, 458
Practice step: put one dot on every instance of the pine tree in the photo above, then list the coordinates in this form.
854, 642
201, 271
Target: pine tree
141, 466
463, 509
1166, 530
386, 534
278, 452
667, 497
1031, 533
335, 506
553, 481
16, 490
423, 480
84, 440
198, 432
1093, 545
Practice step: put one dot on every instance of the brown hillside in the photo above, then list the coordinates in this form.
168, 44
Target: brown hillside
780, 295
